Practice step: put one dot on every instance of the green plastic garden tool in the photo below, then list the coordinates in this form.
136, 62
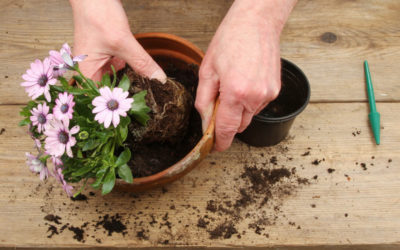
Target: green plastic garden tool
374, 116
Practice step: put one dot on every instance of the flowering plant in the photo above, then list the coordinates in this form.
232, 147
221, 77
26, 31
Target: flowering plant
80, 129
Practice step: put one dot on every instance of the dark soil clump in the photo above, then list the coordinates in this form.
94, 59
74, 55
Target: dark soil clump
330, 170
142, 235
202, 223
112, 224
78, 233
174, 127
79, 197
53, 218
53, 230
224, 230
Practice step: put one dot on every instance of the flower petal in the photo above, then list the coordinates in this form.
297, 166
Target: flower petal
115, 119
108, 119
74, 129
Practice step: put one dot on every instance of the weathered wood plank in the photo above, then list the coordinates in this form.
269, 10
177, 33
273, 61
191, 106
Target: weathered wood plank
348, 206
363, 30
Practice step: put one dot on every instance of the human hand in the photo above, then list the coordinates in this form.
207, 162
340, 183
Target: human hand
101, 31
242, 65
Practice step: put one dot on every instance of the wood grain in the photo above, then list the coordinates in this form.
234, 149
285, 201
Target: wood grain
363, 29
370, 197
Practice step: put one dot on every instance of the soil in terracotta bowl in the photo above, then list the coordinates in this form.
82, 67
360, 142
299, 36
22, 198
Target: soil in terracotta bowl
174, 127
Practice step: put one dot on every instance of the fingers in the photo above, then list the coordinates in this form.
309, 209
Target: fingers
134, 54
207, 92
227, 123
246, 119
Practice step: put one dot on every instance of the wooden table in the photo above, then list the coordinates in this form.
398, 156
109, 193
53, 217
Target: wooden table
350, 200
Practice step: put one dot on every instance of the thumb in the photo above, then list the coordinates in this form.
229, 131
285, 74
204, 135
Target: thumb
134, 54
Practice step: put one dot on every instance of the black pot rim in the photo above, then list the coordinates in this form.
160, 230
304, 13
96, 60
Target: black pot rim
295, 113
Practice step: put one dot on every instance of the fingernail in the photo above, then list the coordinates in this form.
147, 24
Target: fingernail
159, 75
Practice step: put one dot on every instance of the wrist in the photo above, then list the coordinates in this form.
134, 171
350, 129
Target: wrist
271, 14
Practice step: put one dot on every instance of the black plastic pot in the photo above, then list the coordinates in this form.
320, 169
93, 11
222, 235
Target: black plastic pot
273, 123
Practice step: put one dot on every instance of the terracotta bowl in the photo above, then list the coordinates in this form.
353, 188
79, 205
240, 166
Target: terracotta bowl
166, 49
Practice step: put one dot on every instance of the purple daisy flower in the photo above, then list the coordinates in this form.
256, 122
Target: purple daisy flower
56, 59
63, 60
59, 138
64, 106
37, 166
110, 105
57, 173
41, 117
38, 79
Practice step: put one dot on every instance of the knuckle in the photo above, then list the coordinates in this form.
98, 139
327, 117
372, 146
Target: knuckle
205, 72
274, 92
240, 92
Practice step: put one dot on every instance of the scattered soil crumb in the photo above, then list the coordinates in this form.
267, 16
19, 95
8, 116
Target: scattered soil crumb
112, 224
142, 235
357, 132
202, 223
363, 166
2, 130
316, 162
53, 230
80, 197
224, 230
330, 170
315, 177
306, 153
345, 215
53, 218
78, 233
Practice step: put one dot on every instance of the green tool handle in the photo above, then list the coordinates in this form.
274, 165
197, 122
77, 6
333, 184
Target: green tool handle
370, 89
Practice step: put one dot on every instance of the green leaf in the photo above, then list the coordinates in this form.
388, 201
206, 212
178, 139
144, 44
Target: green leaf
90, 144
79, 153
105, 80
64, 82
83, 170
124, 83
139, 108
24, 122
57, 88
123, 132
124, 121
109, 182
79, 79
114, 76
99, 177
104, 135
76, 91
123, 158
26, 111
125, 173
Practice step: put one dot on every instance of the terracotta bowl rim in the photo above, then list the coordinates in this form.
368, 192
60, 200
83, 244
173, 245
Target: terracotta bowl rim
209, 133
